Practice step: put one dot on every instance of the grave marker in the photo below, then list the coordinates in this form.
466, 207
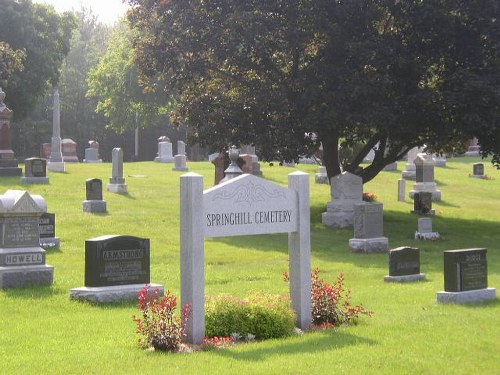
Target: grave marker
35, 171
117, 181
404, 265
346, 191
93, 192
369, 228
47, 229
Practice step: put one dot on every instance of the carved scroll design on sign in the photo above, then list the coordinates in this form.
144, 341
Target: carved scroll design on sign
250, 194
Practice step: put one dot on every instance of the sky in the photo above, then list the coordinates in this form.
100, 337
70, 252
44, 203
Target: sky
108, 11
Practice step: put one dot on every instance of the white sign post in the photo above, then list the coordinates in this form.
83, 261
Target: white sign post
245, 205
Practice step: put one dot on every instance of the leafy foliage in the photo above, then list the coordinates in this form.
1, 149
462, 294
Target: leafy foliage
288, 75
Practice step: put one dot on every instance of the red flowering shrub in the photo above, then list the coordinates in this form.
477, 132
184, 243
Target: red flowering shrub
159, 326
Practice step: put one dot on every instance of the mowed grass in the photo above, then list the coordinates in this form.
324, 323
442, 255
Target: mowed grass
44, 332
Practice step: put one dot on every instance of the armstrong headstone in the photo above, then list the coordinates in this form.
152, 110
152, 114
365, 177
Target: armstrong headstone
116, 269
35, 171
404, 265
346, 191
117, 181
8, 163
93, 195
465, 277
369, 228
22, 260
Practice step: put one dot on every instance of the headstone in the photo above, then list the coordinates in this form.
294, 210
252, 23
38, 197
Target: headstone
9, 165
346, 191
391, 167
94, 201
164, 150
22, 260
424, 175
369, 228
244, 205
465, 277
424, 231
180, 159
68, 149
478, 170
401, 190
35, 171
117, 181
474, 148
409, 171
440, 160
422, 203
55, 161
321, 176
92, 153
404, 265
47, 229
116, 269
233, 170
252, 165
217, 160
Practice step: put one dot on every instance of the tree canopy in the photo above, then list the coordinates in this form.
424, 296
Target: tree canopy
288, 75
42, 36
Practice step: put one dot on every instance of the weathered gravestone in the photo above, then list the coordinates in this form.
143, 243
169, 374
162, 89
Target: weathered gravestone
164, 150
117, 181
54, 149
409, 171
474, 147
35, 171
252, 165
116, 269
180, 159
424, 176
47, 229
8, 162
94, 201
92, 153
68, 149
346, 191
22, 260
424, 231
465, 277
478, 170
321, 177
440, 160
244, 205
369, 228
422, 204
404, 265
401, 190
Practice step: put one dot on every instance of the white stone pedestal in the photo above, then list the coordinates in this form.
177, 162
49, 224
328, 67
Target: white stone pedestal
110, 294
94, 206
426, 187
56, 166
468, 296
35, 180
369, 245
404, 278
117, 188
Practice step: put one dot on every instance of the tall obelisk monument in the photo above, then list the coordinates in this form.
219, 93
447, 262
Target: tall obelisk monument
55, 162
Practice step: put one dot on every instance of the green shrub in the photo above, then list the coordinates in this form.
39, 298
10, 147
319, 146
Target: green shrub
265, 316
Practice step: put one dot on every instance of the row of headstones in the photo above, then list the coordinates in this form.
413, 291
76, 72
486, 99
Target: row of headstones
165, 154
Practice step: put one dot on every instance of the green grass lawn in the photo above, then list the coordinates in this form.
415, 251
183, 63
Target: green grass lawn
44, 332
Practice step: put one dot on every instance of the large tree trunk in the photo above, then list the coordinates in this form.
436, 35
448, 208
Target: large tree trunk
330, 144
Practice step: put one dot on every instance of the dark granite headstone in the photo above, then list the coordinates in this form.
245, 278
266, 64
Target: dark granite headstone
35, 167
117, 260
47, 225
478, 169
93, 189
465, 269
422, 203
404, 261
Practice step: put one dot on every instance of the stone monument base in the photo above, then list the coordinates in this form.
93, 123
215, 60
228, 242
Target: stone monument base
117, 188
56, 166
427, 236
94, 206
107, 294
20, 276
338, 219
468, 296
369, 245
35, 180
50, 242
436, 194
92, 160
164, 159
409, 175
404, 278
180, 169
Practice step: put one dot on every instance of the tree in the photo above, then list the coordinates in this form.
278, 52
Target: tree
44, 36
289, 75
10, 62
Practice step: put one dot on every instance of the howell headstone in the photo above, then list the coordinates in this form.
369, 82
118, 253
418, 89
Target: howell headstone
369, 228
55, 162
422, 203
94, 201
22, 260
424, 231
404, 265
346, 191
47, 229
8, 162
117, 181
92, 153
116, 269
35, 171
164, 150
424, 175
244, 205
465, 277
